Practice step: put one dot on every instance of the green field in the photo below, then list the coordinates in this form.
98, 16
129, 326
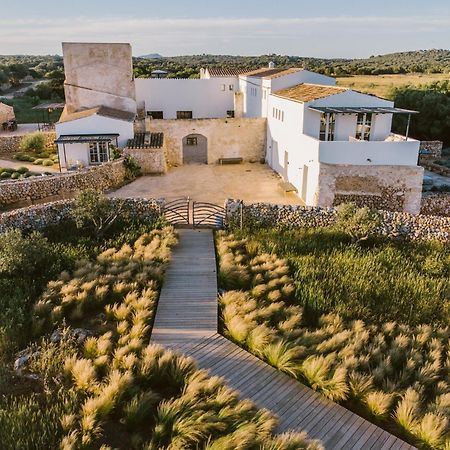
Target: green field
382, 85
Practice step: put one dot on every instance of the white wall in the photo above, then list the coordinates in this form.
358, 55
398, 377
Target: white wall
286, 137
98, 125
379, 153
204, 97
250, 86
91, 125
303, 76
75, 153
346, 124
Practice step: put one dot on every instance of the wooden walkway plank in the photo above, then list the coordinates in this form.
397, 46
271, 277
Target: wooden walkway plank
187, 320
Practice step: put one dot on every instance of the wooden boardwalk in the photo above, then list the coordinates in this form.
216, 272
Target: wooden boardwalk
186, 320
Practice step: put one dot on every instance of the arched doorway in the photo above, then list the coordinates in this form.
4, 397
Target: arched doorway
195, 149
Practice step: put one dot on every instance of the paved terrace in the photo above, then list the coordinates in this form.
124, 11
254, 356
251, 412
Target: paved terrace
186, 320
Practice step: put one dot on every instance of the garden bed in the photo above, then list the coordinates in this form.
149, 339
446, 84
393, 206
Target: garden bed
365, 323
79, 299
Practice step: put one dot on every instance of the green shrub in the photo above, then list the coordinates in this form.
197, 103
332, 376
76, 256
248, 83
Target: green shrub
359, 223
15, 175
34, 142
43, 155
23, 170
47, 162
133, 169
5, 174
38, 162
93, 210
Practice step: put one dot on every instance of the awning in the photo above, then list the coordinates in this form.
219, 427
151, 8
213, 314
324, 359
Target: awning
85, 138
361, 109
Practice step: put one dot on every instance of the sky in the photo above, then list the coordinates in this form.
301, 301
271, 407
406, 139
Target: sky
316, 28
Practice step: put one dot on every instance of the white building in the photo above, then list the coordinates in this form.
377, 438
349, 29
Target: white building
329, 144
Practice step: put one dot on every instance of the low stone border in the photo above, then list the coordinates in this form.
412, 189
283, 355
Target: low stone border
433, 167
60, 186
42, 216
394, 224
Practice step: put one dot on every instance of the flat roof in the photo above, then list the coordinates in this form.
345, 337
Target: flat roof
361, 109
49, 106
85, 138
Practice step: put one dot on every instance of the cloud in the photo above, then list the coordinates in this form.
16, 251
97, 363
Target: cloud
317, 36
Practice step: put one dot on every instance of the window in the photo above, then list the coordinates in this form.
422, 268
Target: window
230, 114
253, 91
278, 114
191, 141
222, 87
363, 126
98, 152
231, 87
327, 126
265, 94
184, 114
155, 114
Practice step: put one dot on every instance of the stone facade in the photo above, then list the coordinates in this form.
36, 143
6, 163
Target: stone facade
151, 160
435, 147
227, 138
11, 144
393, 188
41, 216
394, 224
98, 74
38, 189
436, 204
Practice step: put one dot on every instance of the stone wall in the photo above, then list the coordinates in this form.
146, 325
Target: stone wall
437, 168
392, 188
227, 138
436, 204
11, 144
394, 224
151, 160
41, 216
435, 147
38, 189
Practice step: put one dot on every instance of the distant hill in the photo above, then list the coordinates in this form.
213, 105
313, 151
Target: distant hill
420, 61
152, 56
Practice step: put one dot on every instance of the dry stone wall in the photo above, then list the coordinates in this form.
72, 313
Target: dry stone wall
436, 204
11, 144
38, 189
151, 160
393, 224
42, 216
434, 147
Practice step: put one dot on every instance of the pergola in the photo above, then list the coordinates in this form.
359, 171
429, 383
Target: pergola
49, 107
365, 110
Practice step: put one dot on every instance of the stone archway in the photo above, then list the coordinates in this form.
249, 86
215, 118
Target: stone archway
195, 149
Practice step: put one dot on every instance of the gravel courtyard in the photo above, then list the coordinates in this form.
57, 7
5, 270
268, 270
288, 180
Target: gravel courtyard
213, 183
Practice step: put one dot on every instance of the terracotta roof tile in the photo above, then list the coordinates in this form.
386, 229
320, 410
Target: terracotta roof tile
222, 72
284, 72
306, 92
100, 110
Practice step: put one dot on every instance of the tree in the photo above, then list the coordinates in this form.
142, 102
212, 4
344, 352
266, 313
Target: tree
92, 210
16, 73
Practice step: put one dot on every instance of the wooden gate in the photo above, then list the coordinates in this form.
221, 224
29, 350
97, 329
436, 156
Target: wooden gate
176, 211
207, 215
186, 212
